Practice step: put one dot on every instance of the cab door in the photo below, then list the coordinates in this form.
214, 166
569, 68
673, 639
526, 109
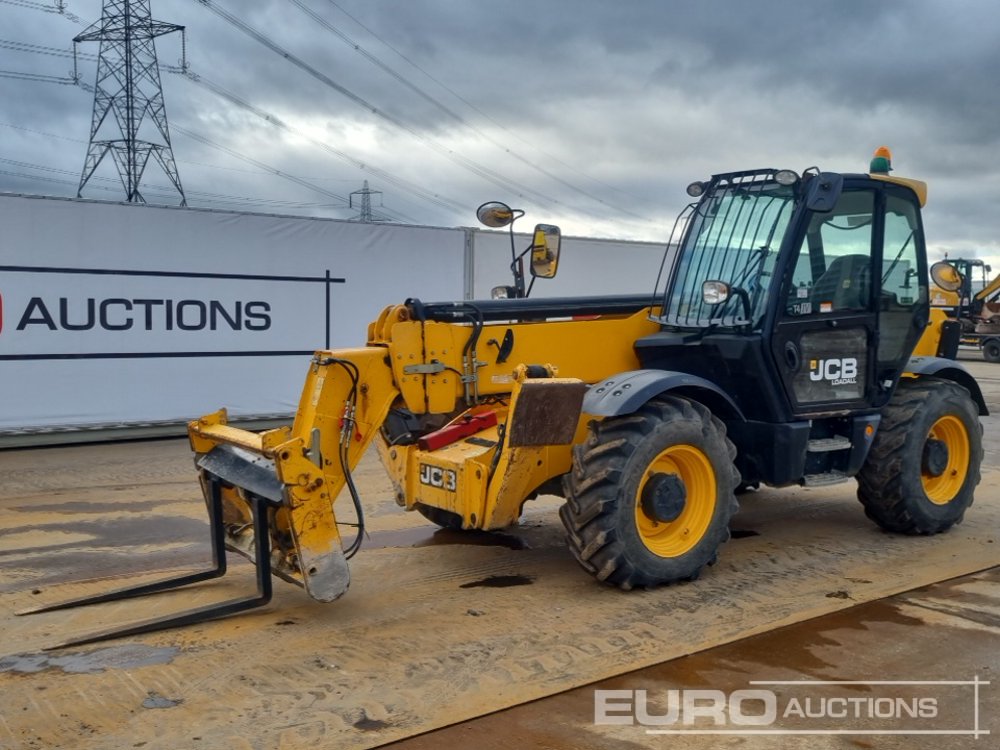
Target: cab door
826, 327
854, 300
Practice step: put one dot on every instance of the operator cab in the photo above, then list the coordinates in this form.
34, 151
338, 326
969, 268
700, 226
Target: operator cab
801, 298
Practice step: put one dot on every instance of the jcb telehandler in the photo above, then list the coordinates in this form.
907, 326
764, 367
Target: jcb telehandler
976, 309
788, 341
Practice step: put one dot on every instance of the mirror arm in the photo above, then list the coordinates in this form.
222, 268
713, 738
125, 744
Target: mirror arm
516, 264
745, 299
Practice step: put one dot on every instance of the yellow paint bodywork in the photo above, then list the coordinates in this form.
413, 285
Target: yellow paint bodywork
427, 368
927, 345
487, 496
431, 370
917, 186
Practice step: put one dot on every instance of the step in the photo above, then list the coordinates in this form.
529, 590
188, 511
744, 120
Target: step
821, 445
822, 480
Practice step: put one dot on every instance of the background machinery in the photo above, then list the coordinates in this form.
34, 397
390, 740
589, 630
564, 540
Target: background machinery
788, 341
973, 299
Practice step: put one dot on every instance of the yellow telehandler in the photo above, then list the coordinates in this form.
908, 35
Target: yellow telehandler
977, 310
788, 341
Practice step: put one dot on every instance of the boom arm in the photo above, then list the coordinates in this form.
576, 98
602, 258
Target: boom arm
985, 294
511, 425
344, 402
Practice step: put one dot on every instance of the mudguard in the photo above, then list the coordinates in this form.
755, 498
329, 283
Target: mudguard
948, 369
625, 392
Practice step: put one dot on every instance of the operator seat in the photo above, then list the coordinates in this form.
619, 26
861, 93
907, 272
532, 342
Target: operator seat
846, 283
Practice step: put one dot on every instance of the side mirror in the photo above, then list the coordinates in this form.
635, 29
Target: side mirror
496, 214
545, 251
946, 276
823, 190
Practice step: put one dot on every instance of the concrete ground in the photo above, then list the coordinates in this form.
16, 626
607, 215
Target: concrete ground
948, 632
440, 628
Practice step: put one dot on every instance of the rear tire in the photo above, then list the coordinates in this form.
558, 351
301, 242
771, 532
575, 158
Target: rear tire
650, 494
991, 350
924, 464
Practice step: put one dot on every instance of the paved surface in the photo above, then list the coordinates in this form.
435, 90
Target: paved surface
948, 631
439, 628
944, 632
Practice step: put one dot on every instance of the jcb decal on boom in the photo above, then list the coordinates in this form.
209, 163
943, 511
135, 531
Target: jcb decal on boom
435, 476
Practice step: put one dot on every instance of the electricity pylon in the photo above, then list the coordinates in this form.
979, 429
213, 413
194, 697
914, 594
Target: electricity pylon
128, 88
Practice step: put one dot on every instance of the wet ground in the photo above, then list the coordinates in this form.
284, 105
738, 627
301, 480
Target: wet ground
944, 633
442, 626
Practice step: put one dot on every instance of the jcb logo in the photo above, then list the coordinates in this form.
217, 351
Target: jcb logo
837, 371
435, 476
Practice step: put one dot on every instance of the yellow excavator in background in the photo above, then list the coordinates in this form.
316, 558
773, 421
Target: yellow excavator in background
974, 303
788, 340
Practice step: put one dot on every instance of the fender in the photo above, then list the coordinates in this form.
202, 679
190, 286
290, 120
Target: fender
625, 392
948, 369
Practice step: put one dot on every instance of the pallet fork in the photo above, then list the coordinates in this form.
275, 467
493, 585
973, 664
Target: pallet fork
260, 507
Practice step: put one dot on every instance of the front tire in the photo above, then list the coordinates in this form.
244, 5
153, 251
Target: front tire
924, 464
650, 494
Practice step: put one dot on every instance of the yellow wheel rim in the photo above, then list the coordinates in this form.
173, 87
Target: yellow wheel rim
675, 538
942, 489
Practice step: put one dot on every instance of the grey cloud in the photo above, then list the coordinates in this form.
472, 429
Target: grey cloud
626, 100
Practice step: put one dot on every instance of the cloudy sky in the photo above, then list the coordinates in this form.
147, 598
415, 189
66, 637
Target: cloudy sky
593, 114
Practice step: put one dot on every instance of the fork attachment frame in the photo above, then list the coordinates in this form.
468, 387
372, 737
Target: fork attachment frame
262, 557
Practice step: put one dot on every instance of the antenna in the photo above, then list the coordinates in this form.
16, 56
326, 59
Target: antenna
128, 88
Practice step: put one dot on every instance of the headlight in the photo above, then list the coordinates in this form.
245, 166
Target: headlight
714, 292
502, 292
696, 189
786, 177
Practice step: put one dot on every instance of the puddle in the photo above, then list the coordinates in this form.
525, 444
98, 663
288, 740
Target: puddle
101, 533
155, 700
429, 536
128, 656
369, 725
499, 582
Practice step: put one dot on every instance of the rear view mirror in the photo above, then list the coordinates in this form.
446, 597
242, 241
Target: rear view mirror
496, 214
946, 276
822, 191
545, 251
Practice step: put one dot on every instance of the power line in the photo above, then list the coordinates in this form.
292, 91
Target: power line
277, 122
37, 77
260, 165
470, 165
267, 168
473, 107
40, 132
272, 119
263, 168
59, 8
202, 195
40, 49
450, 112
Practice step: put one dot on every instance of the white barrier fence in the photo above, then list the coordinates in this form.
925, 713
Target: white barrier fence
114, 314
